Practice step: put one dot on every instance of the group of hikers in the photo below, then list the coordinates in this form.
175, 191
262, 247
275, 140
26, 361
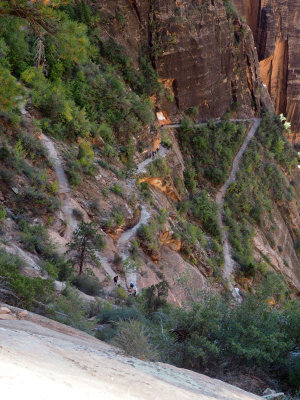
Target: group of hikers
154, 153
132, 291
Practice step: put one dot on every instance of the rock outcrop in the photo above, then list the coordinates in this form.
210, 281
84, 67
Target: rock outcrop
208, 55
205, 57
275, 26
40, 358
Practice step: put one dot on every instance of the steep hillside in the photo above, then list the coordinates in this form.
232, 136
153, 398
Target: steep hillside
137, 140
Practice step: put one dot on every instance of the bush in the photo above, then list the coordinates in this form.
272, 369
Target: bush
134, 339
73, 170
209, 150
33, 147
120, 314
34, 237
2, 215
206, 210
116, 218
88, 283
27, 290
70, 310
117, 189
159, 168
153, 298
40, 199
7, 176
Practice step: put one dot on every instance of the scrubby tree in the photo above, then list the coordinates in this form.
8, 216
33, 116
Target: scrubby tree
84, 244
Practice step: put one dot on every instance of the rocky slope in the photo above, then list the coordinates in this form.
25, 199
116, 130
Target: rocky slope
41, 358
275, 26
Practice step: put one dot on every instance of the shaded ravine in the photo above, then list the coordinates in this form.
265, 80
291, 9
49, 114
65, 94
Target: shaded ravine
228, 260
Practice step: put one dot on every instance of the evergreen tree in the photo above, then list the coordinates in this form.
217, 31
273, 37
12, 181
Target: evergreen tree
85, 242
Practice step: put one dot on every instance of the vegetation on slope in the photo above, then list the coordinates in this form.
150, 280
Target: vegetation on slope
83, 88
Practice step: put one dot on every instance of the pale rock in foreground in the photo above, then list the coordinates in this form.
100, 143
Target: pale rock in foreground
42, 359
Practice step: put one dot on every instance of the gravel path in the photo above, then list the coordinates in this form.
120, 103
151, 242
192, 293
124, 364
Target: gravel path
228, 260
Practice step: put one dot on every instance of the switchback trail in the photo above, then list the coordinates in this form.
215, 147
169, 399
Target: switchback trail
67, 209
142, 166
228, 260
123, 248
63, 186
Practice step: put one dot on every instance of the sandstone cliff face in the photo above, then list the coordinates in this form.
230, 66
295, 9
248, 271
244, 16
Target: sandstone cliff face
210, 58
41, 358
275, 26
207, 58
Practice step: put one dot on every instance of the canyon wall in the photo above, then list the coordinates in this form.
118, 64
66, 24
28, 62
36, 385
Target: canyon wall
275, 25
204, 55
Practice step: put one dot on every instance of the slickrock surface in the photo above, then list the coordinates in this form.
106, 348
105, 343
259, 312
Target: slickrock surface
46, 360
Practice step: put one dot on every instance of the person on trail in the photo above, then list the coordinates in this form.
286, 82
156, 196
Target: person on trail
152, 153
134, 293
132, 285
116, 279
157, 150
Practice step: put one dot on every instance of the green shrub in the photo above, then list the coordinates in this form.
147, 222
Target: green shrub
120, 314
70, 310
145, 191
39, 199
73, 170
33, 147
209, 150
116, 218
2, 215
117, 189
134, 339
27, 290
88, 283
154, 298
7, 176
34, 237
159, 168
206, 211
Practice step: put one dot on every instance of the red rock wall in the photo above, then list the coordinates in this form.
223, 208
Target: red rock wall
210, 61
277, 37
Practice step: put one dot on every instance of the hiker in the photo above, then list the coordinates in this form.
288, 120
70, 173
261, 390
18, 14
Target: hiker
131, 285
152, 153
134, 293
157, 150
116, 279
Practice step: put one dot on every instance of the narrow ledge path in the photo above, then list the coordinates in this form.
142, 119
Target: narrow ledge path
220, 198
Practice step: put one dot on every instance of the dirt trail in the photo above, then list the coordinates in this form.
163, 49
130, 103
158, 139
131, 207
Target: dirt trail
63, 187
228, 260
141, 168
123, 246
67, 209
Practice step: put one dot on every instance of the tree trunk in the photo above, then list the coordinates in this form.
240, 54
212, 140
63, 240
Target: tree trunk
82, 255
